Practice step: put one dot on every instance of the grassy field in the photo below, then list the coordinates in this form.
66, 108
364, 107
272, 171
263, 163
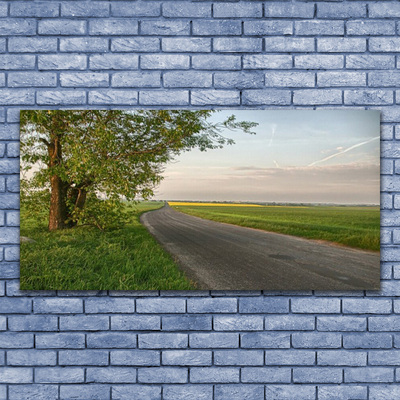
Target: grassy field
85, 258
350, 226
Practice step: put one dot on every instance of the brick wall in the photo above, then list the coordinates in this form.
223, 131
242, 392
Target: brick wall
199, 345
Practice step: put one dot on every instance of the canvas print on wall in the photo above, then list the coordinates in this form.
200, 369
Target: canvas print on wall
200, 199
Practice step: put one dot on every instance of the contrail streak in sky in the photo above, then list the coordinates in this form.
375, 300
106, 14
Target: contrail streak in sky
273, 135
343, 151
276, 164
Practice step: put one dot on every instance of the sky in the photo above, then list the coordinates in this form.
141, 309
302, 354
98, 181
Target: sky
296, 156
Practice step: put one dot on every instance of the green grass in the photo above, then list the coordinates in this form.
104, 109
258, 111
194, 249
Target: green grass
356, 227
85, 258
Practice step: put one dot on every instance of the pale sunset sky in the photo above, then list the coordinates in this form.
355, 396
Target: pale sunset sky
323, 156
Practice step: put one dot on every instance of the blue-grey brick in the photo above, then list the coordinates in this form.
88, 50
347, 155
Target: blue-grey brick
314, 97
210, 97
344, 392
384, 357
64, 97
239, 392
290, 357
8, 166
317, 375
186, 79
341, 323
342, 78
180, 9
237, 45
16, 375
236, 10
317, 27
268, 27
109, 96
386, 323
368, 374
31, 357
14, 305
214, 340
287, 44
384, 78
33, 392
238, 357
382, 392
179, 392
2, 84
384, 10
325, 306
193, 45
366, 306
290, 392
316, 340
3, 325
111, 340
390, 150
3, 9
390, 253
32, 323
9, 271
19, 26
135, 357
152, 98
386, 201
365, 27
111, 375
16, 340
370, 61
84, 323
17, 61
319, 61
238, 323
112, 26
387, 44
342, 357
260, 340
139, 44
135, 322
61, 27
289, 323
367, 341
83, 357
215, 62
397, 166
368, 97
62, 61
264, 305
32, 79
162, 375
85, 9
288, 10
341, 11
187, 323
135, 9
212, 305
386, 272
98, 392
266, 375
186, 357
217, 27
109, 305
289, 79
214, 375
239, 80
32, 45
396, 272
136, 392
87, 45
84, 79
59, 375
164, 61
114, 61
341, 45
34, 9
163, 340
165, 28
13, 183
57, 306
263, 96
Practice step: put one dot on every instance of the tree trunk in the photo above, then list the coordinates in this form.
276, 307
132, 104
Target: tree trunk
58, 205
78, 196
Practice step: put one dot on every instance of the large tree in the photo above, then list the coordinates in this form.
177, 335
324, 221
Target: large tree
87, 161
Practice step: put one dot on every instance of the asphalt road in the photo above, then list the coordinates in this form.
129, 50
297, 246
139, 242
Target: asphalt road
219, 256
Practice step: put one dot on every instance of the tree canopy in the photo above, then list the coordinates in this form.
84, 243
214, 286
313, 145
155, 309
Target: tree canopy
84, 162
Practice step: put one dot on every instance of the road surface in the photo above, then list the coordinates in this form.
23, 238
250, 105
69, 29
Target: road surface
219, 256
